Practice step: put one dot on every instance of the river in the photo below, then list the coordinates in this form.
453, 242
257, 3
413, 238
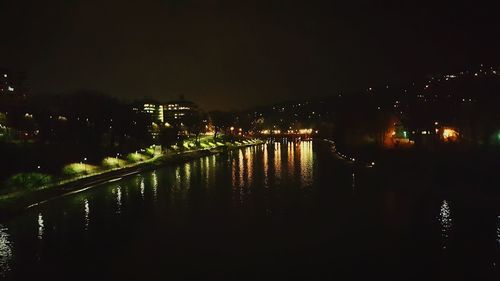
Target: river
275, 211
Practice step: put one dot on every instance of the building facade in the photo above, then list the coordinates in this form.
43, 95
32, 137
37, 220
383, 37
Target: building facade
150, 108
177, 112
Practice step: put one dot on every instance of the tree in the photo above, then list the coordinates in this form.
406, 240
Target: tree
220, 121
194, 124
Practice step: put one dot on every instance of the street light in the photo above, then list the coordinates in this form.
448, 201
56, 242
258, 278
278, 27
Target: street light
85, 164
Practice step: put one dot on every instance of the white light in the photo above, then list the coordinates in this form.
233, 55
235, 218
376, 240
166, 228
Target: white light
10, 89
498, 230
119, 198
446, 221
40, 226
87, 212
5, 75
5, 250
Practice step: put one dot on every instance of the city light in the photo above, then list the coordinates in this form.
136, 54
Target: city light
450, 134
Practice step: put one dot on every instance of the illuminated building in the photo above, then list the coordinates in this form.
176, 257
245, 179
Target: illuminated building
151, 108
175, 112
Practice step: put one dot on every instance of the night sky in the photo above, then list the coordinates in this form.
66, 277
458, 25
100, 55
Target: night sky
236, 54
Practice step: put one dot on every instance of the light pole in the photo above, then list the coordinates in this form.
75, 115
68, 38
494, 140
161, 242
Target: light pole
85, 164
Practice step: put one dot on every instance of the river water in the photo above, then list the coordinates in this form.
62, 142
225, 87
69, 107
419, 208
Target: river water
275, 211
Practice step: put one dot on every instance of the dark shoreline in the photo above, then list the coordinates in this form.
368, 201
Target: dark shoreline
467, 177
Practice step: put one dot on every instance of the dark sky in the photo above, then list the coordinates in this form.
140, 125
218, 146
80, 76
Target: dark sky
235, 54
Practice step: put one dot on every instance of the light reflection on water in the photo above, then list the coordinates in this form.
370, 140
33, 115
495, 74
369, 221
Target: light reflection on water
306, 163
249, 164
446, 222
290, 161
282, 163
265, 160
87, 213
277, 161
291, 158
353, 182
241, 169
154, 183
187, 175
40, 226
262, 177
118, 199
5, 251
498, 230
176, 185
142, 187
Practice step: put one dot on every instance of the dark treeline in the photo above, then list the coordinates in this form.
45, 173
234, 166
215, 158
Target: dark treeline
53, 130
83, 118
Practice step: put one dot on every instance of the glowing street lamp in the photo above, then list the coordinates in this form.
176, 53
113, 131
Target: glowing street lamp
116, 158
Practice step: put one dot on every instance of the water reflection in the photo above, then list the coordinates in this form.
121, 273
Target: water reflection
187, 175
5, 251
142, 188
206, 170
179, 213
298, 163
154, 183
277, 161
249, 164
40, 226
353, 182
176, 185
87, 213
265, 161
306, 163
241, 182
291, 158
498, 230
119, 199
446, 222
252, 169
271, 164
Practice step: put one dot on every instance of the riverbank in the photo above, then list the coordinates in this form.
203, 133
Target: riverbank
460, 175
14, 204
